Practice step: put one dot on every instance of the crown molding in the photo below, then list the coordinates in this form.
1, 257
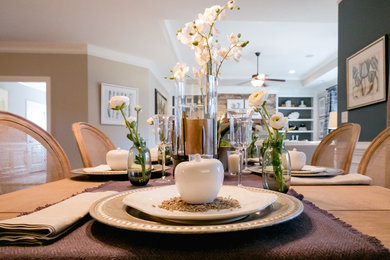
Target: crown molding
79, 48
43, 48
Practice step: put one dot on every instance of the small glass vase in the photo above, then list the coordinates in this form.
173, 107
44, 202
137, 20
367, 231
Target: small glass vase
139, 165
276, 168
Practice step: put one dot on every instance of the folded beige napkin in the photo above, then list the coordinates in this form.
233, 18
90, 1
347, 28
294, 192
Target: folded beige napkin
352, 178
49, 223
313, 168
100, 168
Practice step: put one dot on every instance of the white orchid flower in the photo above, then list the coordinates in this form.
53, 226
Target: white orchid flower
201, 26
180, 70
230, 4
117, 101
257, 98
278, 121
222, 52
232, 39
197, 72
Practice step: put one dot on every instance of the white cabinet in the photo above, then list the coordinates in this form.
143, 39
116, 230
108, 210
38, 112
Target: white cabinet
299, 110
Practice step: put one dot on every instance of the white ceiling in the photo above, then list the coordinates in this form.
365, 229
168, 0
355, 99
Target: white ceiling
284, 31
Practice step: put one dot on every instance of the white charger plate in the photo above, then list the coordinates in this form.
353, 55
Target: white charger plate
113, 212
155, 168
148, 200
305, 173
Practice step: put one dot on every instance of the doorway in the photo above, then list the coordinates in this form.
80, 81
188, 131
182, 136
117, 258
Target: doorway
27, 97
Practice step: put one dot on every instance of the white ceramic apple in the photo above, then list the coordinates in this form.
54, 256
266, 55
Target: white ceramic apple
297, 159
117, 159
199, 181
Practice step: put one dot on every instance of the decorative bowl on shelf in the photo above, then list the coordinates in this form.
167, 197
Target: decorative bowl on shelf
293, 115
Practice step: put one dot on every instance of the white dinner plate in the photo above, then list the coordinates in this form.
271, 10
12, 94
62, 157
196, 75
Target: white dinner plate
113, 212
148, 200
155, 168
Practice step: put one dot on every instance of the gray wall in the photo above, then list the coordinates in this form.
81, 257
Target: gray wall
117, 73
68, 94
361, 22
75, 93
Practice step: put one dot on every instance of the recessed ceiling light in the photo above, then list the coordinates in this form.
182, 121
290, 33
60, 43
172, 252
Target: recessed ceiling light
291, 71
309, 56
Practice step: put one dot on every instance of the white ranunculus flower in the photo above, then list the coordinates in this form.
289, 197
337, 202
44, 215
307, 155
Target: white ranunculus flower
278, 121
117, 101
257, 98
150, 121
137, 108
130, 119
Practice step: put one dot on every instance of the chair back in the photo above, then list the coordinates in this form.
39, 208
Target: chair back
93, 144
336, 149
29, 155
375, 162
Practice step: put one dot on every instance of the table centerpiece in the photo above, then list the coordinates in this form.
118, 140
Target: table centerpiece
276, 159
139, 163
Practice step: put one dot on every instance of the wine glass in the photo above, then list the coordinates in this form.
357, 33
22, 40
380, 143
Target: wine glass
241, 132
163, 138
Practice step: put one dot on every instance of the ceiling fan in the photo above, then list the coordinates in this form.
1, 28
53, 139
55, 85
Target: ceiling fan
258, 80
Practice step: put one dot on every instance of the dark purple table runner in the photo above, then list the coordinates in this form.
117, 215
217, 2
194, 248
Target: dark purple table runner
315, 234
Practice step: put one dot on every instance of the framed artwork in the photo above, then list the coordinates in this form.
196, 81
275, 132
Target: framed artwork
366, 78
160, 103
114, 117
234, 104
322, 106
321, 128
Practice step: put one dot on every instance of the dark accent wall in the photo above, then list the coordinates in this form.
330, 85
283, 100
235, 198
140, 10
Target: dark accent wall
361, 22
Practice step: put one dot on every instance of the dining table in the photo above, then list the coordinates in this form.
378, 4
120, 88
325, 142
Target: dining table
362, 210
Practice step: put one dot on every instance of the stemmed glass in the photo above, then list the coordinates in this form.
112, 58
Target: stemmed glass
241, 132
163, 138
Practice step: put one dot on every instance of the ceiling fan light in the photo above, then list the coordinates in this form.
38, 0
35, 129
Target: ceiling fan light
261, 77
256, 82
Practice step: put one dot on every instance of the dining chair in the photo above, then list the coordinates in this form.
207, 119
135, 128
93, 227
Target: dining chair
29, 155
93, 144
336, 149
375, 161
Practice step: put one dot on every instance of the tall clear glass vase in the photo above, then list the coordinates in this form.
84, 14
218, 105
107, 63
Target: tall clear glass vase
195, 128
276, 168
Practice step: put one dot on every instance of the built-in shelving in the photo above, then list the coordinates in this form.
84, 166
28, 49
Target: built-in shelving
289, 105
